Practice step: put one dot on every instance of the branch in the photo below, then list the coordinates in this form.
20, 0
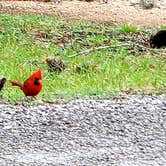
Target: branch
85, 52
94, 49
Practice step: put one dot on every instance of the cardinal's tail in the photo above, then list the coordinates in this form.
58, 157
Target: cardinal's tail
15, 83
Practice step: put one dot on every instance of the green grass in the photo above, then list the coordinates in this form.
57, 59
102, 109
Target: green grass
128, 29
108, 71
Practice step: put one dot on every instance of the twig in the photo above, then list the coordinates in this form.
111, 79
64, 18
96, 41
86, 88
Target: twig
85, 52
154, 50
95, 49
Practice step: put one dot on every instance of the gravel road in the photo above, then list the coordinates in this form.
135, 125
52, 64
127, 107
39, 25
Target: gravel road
121, 131
114, 12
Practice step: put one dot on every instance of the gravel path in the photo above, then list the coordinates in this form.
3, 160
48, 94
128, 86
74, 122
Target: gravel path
117, 11
122, 131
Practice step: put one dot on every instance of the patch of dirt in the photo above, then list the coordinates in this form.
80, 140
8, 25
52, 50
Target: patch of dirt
118, 11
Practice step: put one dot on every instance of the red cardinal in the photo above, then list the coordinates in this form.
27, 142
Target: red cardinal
33, 85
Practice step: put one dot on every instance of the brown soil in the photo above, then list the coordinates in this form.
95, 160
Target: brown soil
113, 12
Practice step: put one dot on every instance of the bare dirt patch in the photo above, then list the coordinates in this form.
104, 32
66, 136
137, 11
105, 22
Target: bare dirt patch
113, 12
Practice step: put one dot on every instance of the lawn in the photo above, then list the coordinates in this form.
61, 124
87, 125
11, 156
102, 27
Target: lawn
125, 65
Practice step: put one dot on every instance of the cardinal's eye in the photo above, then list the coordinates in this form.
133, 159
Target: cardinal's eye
36, 81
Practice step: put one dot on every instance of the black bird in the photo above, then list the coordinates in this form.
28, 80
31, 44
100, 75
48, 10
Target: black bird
158, 40
2, 83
